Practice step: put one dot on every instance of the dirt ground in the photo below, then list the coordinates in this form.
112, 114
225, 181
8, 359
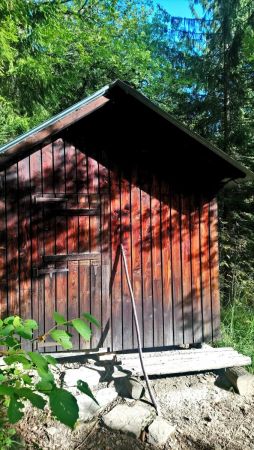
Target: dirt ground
206, 415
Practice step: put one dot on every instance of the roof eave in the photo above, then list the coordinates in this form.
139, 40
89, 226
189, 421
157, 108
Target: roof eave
246, 173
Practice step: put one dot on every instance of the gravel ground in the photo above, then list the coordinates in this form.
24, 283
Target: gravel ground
206, 416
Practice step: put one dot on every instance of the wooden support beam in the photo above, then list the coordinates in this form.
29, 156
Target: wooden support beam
74, 211
38, 200
72, 257
48, 271
183, 361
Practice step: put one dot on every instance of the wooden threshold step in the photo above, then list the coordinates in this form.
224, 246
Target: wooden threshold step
183, 361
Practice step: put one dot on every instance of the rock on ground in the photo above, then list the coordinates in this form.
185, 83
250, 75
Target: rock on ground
105, 396
206, 417
91, 376
130, 419
88, 408
130, 387
160, 431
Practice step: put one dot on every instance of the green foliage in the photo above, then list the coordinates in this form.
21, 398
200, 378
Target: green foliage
50, 48
7, 433
62, 337
82, 328
83, 387
64, 406
238, 319
17, 378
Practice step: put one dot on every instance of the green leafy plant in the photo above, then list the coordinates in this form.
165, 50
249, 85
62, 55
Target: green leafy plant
18, 382
7, 432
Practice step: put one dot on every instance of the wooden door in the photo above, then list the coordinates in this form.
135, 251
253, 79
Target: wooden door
69, 269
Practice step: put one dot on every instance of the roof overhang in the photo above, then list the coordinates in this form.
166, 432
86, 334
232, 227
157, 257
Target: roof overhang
45, 131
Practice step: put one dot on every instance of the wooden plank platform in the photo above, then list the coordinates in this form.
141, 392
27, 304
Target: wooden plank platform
183, 361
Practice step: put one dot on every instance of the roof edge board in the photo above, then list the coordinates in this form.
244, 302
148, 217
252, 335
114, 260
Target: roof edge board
54, 119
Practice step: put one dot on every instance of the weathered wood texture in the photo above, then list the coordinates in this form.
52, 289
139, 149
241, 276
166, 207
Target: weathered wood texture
184, 361
170, 239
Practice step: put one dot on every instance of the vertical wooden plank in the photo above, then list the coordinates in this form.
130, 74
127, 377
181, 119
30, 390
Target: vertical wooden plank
3, 262
73, 291
12, 240
166, 264
147, 263
83, 245
48, 236
60, 228
156, 263
196, 271
24, 209
205, 269
186, 270
59, 167
105, 252
116, 272
214, 268
126, 242
70, 169
37, 240
47, 169
95, 273
176, 268
136, 244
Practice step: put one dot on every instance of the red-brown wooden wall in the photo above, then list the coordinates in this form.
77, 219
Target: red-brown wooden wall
170, 241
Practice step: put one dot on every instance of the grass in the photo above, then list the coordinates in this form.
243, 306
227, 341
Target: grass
237, 327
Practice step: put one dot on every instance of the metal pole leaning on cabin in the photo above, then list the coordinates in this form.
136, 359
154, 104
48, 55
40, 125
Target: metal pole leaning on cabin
153, 400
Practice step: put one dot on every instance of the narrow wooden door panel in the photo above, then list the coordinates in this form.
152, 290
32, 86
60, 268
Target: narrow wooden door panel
116, 272
196, 270
148, 311
36, 239
106, 336
205, 269
24, 201
166, 264
136, 244
214, 267
177, 268
126, 242
84, 239
12, 240
156, 263
186, 270
94, 226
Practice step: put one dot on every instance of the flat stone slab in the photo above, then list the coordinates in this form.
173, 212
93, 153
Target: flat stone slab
130, 419
160, 431
92, 377
88, 408
105, 396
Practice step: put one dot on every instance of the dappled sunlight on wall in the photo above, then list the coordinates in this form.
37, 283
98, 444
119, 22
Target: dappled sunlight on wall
170, 239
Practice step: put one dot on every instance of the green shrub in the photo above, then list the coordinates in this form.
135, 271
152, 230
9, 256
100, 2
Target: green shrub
237, 317
17, 380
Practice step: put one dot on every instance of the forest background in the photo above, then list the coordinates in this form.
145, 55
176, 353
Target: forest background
55, 52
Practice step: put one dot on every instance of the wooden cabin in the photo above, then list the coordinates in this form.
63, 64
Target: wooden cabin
114, 168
